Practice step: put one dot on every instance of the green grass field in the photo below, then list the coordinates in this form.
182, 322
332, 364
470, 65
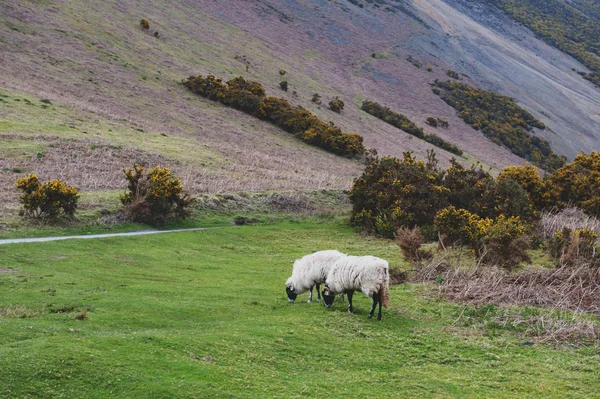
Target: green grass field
204, 315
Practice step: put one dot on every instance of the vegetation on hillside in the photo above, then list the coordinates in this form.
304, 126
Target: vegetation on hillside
154, 196
336, 105
403, 123
47, 200
571, 26
249, 97
501, 120
469, 206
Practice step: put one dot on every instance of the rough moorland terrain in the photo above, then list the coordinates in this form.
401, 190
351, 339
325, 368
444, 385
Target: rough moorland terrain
85, 90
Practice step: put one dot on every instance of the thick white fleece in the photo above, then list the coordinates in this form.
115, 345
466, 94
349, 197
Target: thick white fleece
312, 269
368, 274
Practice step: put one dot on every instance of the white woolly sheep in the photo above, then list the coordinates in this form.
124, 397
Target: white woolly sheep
309, 271
368, 274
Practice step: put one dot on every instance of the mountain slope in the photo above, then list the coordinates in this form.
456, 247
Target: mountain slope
116, 88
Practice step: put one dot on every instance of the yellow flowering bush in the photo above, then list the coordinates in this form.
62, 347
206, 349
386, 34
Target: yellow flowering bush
459, 226
501, 241
396, 192
154, 197
46, 200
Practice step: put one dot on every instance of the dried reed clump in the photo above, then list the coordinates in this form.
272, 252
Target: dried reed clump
410, 240
572, 218
568, 288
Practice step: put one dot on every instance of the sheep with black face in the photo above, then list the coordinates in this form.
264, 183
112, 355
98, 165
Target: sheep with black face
368, 274
309, 271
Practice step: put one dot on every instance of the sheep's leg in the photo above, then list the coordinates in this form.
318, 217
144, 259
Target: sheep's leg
310, 293
376, 299
350, 308
342, 297
318, 292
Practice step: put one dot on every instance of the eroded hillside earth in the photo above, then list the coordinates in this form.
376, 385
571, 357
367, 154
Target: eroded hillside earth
86, 90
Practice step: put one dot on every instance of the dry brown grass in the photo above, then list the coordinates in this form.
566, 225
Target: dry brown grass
18, 312
563, 297
92, 165
572, 218
566, 288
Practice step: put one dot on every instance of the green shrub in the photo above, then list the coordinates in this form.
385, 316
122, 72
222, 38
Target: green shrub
282, 72
392, 193
505, 243
501, 241
144, 24
336, 105
459, 226
154, 197
403, 123
431, 121
283, 85
577, 183
249, 97
501, 120
316, 98
46, 200
453, 74
240, 84
209, 87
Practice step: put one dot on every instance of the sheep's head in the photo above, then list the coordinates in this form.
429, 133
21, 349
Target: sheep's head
289, 289
328, 296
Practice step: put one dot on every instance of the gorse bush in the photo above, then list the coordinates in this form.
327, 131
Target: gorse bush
435, 122
501, 241
505, 243
154, 197
459, 226
249, 97
393, 193
46, 200
283, 85
406, 125
501, 120
336, 105
144, 24
577, 183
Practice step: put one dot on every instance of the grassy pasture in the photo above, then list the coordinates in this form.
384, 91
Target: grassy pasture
204, 315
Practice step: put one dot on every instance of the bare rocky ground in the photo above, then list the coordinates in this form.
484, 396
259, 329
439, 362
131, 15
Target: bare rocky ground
114, 96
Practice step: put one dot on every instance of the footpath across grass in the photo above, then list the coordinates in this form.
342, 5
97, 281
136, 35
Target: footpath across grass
204, 315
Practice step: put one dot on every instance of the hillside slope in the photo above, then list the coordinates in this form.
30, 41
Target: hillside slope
112, 92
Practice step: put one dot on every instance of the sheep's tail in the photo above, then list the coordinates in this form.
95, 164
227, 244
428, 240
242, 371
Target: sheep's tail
385, 295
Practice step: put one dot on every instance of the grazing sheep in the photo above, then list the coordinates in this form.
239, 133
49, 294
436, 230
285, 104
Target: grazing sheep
309, 271
368, 274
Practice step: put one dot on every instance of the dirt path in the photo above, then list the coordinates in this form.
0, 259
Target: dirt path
134, 233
